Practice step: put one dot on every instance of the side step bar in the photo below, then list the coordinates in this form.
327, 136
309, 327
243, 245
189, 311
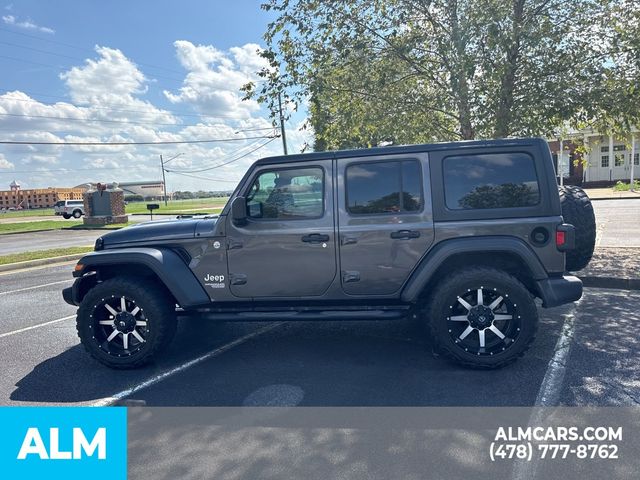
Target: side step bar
289, 315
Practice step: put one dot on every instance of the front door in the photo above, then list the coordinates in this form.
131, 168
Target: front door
621, 162
287, 247
385, 221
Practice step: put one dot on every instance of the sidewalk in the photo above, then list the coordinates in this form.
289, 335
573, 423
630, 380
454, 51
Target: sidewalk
613, 267
609, 193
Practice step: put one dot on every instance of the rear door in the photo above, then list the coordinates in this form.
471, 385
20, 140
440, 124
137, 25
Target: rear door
385, 221
288, 246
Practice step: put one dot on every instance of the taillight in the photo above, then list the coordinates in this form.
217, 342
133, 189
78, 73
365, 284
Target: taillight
561, 239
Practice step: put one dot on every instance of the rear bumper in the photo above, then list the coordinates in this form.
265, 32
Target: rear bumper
559, 290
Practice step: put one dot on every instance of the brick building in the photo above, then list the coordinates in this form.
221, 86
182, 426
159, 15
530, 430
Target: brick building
17, 198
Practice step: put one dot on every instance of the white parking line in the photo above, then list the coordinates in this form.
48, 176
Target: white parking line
2, 335
550, 389
180, 368
549, 392
36, 286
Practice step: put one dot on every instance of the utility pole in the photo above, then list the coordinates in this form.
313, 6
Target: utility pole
164, 181
282, 132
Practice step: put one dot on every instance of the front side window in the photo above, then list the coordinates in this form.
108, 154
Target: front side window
619, 160
500, 180
288, 194
384, 187
604, 161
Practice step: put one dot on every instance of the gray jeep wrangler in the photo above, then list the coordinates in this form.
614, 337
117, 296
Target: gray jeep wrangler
460, 236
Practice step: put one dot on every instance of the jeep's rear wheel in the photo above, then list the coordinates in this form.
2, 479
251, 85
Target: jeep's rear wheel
125, 324
66, 216
482, 317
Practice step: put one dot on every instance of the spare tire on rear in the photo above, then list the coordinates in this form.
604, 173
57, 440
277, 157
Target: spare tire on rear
578, 211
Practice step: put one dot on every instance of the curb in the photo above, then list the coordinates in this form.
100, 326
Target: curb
611, 282
614, 198
41, 261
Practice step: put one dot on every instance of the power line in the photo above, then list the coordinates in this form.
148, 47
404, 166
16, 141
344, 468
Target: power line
204, 178
131, 122
66, 100
165, 142
70, 169
84, 49
72, 58
230, 161
227, 155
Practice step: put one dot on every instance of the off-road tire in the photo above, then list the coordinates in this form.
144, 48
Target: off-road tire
77, 214
159, 310
443, 298
578, 211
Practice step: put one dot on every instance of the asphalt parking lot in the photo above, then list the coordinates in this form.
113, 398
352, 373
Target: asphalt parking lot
314, 363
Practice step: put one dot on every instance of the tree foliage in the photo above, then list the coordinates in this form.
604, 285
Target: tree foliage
408, 71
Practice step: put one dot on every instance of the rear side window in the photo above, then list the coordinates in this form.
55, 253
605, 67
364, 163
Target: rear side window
499, 180
384, 187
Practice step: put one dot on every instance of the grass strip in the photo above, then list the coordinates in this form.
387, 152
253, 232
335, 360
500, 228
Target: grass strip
39, 254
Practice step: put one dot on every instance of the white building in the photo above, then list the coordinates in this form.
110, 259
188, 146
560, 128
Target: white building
609, 158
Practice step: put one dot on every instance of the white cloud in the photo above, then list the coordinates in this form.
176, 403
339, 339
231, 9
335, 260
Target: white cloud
214, 78
111, 87
27, 24
4, 163
111, 76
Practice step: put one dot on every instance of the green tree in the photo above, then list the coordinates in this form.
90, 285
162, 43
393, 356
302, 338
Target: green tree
420, 70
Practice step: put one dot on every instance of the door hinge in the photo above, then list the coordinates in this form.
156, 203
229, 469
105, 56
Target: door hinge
234, 244
238, 278
350, 276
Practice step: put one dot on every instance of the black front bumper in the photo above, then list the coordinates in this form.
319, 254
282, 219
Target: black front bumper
74, 294
67, 294
556, 291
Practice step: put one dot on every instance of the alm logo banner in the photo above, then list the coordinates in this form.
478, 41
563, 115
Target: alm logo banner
64, 442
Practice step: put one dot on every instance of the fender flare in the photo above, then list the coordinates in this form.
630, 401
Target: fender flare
170, 268
447, 248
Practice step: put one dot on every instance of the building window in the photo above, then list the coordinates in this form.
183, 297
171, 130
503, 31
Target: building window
619, 148
619, 160
604, 161
636, 159
379, 188
604, 149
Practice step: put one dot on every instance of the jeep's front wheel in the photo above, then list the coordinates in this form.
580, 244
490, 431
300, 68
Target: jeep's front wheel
124, 323
482, 317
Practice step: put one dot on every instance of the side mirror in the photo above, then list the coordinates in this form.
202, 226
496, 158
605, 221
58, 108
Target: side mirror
239, 211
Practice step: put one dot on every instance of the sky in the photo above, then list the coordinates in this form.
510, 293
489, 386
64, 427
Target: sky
133, 71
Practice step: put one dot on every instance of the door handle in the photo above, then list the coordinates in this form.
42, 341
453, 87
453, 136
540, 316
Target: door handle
405, 234
315, 238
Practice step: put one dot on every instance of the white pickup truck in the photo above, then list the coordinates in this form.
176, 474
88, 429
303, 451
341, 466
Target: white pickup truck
69, 208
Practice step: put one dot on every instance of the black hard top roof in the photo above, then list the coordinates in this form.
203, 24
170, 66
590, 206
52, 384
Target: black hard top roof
427, 147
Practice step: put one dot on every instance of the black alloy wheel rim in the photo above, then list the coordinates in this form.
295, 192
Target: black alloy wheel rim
483, 321
119, 326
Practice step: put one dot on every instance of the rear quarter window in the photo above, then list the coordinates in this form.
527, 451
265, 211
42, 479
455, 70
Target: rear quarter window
486, 181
